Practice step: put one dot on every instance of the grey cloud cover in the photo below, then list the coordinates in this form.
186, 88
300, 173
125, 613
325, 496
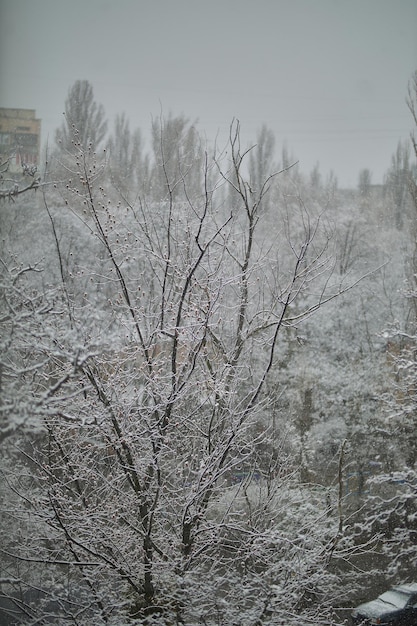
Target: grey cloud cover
329, 77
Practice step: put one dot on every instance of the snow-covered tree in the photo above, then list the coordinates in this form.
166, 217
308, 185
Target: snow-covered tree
178, 159
13, 186
162, 490
398, 180
388, 513
129, 167
84, 124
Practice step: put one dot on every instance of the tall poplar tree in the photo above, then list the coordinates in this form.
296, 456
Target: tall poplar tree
85, 123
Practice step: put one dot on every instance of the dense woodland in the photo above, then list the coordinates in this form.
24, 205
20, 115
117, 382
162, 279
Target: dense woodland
208, 379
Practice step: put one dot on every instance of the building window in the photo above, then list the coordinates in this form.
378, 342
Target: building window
27, 139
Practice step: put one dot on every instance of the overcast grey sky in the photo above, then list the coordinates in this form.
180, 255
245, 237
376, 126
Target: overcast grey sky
329, 77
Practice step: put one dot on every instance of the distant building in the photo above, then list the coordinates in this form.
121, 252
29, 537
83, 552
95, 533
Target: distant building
20, 139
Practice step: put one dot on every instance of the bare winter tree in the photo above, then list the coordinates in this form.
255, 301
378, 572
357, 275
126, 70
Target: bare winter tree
22, 310
84, 124
177, 154
398, 181
389, 512
412, 105
364, 183
11, 187
161, 492
261, 163
129, 167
